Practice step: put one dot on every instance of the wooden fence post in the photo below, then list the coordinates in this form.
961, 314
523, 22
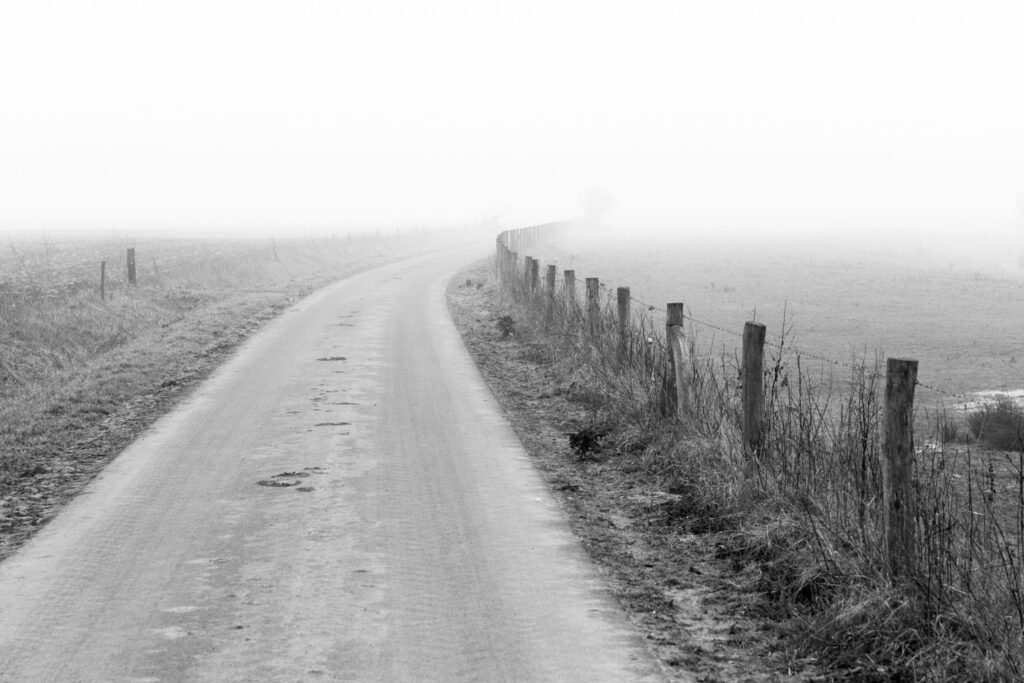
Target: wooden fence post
131, 265
622, 299
674, 325
593, 305
898, 464
571, 302
669, 393
103, 280
550, 282
510, 266
534, 275
753, 386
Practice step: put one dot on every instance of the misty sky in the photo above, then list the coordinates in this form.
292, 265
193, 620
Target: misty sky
299, 113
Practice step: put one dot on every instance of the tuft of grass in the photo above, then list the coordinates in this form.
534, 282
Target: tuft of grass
506, 326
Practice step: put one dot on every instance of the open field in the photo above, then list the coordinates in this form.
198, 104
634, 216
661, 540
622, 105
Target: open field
81, 376
957, 317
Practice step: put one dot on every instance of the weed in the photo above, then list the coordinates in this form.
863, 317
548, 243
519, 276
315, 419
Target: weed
586, 442
506, 326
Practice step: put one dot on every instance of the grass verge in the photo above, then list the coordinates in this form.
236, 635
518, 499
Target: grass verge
805, 514
699, 609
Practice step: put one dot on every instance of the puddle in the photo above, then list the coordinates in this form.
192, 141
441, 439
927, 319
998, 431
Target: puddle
991, 397
289, 479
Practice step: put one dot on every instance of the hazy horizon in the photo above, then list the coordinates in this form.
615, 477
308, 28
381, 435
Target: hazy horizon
270, 117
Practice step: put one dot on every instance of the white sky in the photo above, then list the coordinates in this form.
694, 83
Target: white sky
271, 114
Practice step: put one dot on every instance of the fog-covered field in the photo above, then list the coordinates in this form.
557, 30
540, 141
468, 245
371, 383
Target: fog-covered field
953, 302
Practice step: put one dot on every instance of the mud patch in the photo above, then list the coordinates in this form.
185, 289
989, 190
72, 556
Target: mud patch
332, 424
305, 489
333, 358
275, 483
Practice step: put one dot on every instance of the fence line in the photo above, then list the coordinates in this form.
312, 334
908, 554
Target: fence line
522, 278
542, 232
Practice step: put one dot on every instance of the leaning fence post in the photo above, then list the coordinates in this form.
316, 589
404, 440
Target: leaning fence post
753, 386
131, 265
103, 280
593, 305
622, 294
898, 463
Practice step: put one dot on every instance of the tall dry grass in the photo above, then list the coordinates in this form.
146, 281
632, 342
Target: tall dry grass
808, 509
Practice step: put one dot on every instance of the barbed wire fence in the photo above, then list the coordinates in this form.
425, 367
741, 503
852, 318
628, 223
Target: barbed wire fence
538, 234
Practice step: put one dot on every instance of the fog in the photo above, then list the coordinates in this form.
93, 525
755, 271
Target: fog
255, 116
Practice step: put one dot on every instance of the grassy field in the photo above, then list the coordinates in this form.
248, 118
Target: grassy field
954, 316
81, 376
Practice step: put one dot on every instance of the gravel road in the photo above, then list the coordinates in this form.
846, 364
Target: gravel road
342, 500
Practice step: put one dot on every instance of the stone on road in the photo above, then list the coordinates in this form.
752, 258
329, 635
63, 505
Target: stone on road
342, 500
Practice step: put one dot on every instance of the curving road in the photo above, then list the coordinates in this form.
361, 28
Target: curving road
342, 500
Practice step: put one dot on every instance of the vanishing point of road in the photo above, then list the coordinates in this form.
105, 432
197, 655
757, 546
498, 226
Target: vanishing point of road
342, 500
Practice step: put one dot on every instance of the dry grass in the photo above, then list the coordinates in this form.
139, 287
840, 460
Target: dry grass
807, 511
72, 363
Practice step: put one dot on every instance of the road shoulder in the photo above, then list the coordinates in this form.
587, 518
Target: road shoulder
699, 614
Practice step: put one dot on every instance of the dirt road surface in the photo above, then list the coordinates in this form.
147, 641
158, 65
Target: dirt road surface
341, 501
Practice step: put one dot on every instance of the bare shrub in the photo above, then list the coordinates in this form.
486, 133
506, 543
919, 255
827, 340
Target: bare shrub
999, 425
